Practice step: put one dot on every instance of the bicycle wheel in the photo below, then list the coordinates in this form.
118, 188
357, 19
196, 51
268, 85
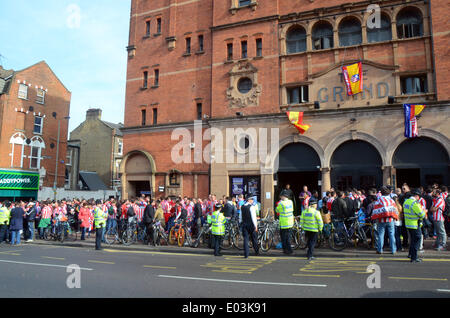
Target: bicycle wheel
301, 239
172, 236
72, 235
46, 234
238, 240
363, 238
266, 241
181, 237
294, 239
338, 240
127, 237
61, 233
319, 240
111, 235
227, 240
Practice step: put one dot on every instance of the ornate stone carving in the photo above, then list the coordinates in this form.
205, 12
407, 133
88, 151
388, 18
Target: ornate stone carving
243, 69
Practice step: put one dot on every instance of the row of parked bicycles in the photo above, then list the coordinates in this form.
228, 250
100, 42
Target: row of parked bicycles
337, 235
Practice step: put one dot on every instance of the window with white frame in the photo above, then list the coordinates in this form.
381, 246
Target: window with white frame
23, 91
35, 158
297, 95
40, 96
120, 147
38, 124
69, 157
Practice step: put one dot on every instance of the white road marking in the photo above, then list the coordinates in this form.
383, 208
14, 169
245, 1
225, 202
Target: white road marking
243, 281
443, 290
39, 264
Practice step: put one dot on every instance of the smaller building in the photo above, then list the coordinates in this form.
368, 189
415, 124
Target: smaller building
100, 147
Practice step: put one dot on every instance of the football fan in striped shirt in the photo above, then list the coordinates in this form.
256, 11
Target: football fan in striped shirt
438, 219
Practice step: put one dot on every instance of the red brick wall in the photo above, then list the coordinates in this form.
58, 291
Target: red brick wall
57, 99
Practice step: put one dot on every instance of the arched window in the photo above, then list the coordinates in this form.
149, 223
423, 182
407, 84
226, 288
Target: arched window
322, 36
350, 32
409, 23
36, 145
296, 40
381, 33
17, 140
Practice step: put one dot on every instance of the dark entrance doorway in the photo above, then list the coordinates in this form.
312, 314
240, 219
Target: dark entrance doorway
246, 185
299, 165
141, 188
421, 161
356, 164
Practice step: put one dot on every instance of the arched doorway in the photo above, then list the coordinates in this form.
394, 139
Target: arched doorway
138, 173
421, 161
298, 165
356, 164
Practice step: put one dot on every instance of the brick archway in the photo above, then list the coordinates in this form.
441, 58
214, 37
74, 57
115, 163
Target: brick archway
138, 170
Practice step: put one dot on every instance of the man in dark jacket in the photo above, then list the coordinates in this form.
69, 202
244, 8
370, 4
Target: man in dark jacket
149, 215
228, 208
30, 216
351, 205
197, 216
339, 207
16, 223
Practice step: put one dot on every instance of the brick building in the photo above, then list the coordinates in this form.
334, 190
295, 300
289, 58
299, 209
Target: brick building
244, 63
33, 105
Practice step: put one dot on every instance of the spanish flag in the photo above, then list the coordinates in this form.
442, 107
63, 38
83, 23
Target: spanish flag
353, 78
411, 111
296, 119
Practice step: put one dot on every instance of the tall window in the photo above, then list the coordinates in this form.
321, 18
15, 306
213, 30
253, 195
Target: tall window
244, 49
38, 123
350, 32
174, 179
120, 147
200, 43
40, 96
35, 157
188, 46
156, 77
23, 91
414, 84
258, 47
145, 82
158, 25
230, 51
409, 23
199, 111
383, 33
155, 116
143, 116
147, 28
322, 36
296, 40
297, 95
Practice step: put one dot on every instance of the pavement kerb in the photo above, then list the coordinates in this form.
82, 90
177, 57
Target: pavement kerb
321, 252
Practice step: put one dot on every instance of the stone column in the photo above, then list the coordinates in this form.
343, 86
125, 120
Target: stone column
386, 175
326, 179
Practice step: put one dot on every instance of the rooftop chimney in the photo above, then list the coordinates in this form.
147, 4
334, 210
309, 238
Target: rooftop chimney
94, 114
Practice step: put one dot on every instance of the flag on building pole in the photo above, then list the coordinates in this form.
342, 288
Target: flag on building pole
411, 111
296, 119
353, 78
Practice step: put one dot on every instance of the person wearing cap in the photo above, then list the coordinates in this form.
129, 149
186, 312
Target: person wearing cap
413, 212
285, 210
217, 228
311, 222
249, 225
100, 223
384, 213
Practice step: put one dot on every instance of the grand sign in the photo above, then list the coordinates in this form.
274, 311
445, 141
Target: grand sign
329, 89
16, 180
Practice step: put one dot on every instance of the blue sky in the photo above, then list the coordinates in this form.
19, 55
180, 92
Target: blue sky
84, 42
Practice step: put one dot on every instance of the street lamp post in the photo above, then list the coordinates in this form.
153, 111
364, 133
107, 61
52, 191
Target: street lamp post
57, 157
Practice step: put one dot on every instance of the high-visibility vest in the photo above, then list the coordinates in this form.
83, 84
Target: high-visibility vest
413, 211
311, 220
218, 223
99, 218
4, 216
286, 210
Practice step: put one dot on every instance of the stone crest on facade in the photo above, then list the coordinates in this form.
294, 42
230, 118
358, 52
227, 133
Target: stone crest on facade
244, 90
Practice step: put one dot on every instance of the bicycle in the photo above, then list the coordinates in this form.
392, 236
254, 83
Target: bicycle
340, 236
159, 235
203, 237
112, 235
129, 235
141, 235
177, 234
54, 231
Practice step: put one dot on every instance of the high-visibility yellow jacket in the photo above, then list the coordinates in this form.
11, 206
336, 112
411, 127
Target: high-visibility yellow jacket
286, 210
412, 211
217, 223
311, 220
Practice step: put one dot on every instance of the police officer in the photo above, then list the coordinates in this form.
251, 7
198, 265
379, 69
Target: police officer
99, 222
285, 209
311, 222
249, 225
413, 213
217, 228
5, 215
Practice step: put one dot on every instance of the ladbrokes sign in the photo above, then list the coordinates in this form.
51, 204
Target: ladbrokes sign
12, 180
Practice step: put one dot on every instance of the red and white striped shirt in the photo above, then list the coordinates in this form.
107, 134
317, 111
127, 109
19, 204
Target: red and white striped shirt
329, 203
423, 203
385, 210
439, 204
444, 195
138, 211
47, 212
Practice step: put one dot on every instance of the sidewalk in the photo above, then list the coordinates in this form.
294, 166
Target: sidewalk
323, 251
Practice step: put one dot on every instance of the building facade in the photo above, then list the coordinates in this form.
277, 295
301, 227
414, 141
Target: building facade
100, 148
34, 110
243, 64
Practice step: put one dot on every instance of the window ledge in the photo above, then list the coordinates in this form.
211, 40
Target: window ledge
252, 5
199, 52
228, 62
143, 88
258, 57
39, 102
155, 86
146, 37
186, 54
156, 34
